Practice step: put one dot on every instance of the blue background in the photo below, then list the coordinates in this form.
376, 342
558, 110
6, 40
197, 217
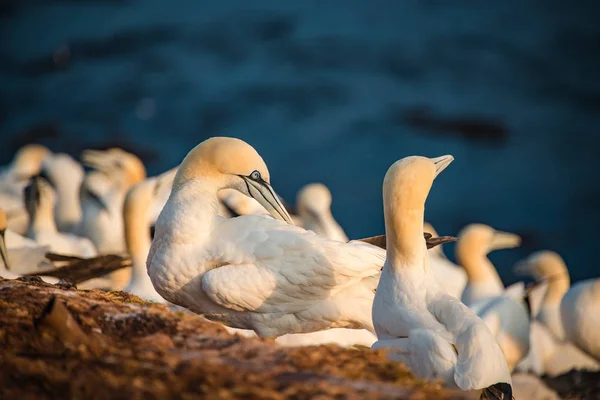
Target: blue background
333, 91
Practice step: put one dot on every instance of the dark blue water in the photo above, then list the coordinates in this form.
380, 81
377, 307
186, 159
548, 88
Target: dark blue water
333, 92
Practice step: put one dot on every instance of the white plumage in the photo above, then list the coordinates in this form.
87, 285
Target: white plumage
254, 272
580, 312
314, 209
435, 334
450, 277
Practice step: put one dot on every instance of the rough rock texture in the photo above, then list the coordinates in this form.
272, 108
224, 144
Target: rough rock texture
141, 350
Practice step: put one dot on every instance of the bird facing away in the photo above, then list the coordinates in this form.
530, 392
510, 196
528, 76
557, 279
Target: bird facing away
114, 172
66, 176
13, 179
548, 267
39, 200
435, 334
474, 243
580, 312
142, 206
253, 272
314, 208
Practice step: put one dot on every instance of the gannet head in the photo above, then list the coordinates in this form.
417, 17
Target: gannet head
407, 182
405, 189
232, 163
480, 239
28, 160
542, 265
313, 200
116, 163
39, 197
3, 250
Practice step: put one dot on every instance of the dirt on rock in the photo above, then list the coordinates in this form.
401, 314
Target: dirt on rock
113, 345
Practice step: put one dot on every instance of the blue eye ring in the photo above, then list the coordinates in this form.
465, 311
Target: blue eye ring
255, 175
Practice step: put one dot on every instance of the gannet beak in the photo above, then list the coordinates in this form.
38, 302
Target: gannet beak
3, 250
503, 240
262, 192
441, 163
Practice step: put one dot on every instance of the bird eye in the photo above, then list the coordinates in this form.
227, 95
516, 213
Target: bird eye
255, 175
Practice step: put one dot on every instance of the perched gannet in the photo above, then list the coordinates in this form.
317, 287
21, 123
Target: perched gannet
550, 353
143, 203
451, 277
547, 266
435, 334
13, 179
314, 208
65, 175
253, 272
580, 313
475, 241
103, 192
39, 201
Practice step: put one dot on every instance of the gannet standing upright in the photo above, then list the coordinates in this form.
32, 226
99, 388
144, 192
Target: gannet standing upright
547, 266
143, 203
39, 199
13, 179
580, 313
475, 241
102, 195
504, 313
253, 272
435, 334
451, 277
314, 208
65, 175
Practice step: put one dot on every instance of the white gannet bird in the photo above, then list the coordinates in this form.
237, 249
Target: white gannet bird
504, 311
13, 179
548, 267
550, 353
314, 208
451, 277
66, 176
39, 201
143, 203
253, 272
103, 192
475, 241
580, 314
435, 334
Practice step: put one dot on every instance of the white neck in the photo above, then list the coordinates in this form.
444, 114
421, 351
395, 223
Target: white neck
406, 245
479, 269
42, 220
191, 211
68, 207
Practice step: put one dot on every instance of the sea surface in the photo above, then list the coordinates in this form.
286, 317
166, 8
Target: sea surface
333, 92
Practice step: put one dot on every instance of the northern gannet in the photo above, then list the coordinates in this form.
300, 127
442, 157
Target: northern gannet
39, 201
253, 272
436, 335
314, 208
143, 203
451, 277
475, 241
503, 310
13, 179
580, 314
548, 267
103, 192
65, 175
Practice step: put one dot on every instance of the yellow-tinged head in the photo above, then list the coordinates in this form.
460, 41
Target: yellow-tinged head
543, 265
405, 189
231, 163
29, 158
476, 240
314, 198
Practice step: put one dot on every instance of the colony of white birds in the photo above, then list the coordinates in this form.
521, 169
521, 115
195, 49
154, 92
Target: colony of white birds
225, 246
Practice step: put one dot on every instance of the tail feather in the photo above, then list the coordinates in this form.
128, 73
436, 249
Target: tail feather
499, 391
